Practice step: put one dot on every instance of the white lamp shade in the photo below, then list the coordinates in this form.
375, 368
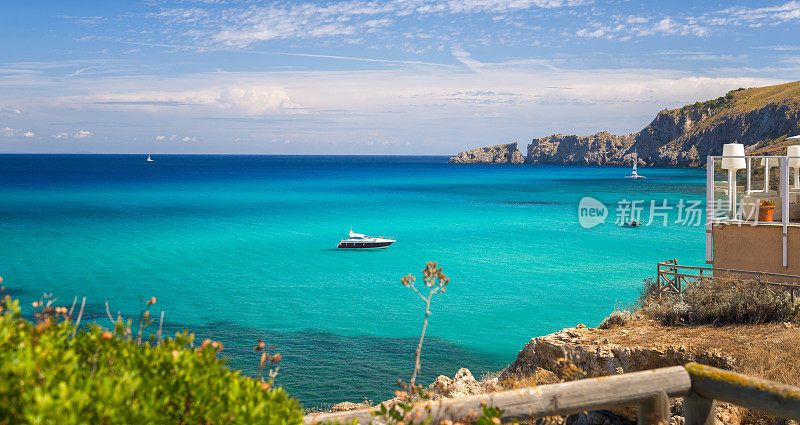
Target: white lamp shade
771, 162
793, 152
733, 149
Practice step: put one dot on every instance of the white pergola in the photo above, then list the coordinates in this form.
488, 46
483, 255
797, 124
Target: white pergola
783, 163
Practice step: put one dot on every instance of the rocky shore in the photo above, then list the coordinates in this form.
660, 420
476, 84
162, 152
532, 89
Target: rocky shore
581, 352
760, 118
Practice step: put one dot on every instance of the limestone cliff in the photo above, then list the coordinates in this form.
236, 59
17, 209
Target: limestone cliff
760, 118
499, 154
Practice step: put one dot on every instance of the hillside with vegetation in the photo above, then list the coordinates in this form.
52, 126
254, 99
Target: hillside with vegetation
760, 118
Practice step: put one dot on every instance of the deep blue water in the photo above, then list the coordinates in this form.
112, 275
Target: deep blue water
240, 247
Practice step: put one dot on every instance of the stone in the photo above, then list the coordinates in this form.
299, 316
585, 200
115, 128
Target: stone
600, 417
347, 406
463, 384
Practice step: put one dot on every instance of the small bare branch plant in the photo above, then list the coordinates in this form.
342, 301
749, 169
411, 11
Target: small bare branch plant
436, 281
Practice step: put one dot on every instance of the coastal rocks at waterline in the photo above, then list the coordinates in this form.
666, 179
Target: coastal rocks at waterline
599, 358
347, 406
498, 154
463, 384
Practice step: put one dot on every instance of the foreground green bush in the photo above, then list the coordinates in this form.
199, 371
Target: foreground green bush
98, 376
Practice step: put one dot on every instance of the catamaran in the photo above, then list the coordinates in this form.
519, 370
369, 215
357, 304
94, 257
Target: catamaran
634, 173
357, 240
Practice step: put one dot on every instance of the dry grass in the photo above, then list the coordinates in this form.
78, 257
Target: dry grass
541, 377
768, 351
719, 302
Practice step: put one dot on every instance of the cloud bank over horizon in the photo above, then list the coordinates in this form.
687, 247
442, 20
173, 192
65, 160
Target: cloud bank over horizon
372, 77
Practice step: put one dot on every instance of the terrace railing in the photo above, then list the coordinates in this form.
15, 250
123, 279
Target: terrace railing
673, 278
699, 385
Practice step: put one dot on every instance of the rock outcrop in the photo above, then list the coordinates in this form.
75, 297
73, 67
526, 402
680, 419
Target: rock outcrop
347, 406
588, 355
462, 385
591, 357
600, 358
598, 149
499, 154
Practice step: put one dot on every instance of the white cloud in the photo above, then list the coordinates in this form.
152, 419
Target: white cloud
770, 15
464, 57
254, 100
626, 27
10, 110
175, 138
669, 26
590, 34
241, 26
13, 132
72, 74
248, 99
83, 134
524, 97
377, 23
623, 27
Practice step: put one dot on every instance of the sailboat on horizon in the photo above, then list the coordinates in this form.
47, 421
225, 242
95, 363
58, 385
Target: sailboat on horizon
149, 159
635, 173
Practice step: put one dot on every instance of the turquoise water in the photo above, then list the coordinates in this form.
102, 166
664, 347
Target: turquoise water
240, 247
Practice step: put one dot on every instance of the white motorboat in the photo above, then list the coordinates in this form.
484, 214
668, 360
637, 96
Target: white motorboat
357, 240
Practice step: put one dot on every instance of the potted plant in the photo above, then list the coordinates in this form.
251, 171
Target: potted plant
765, 210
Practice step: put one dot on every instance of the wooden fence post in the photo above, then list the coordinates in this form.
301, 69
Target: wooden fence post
698, 410
654, 411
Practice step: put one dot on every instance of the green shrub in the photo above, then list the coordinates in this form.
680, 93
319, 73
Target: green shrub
52, 372
719, 302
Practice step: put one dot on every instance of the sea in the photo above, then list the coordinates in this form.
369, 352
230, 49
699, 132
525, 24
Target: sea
236, 248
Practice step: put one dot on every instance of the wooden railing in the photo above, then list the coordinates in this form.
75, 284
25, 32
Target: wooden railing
673, 278
699, 385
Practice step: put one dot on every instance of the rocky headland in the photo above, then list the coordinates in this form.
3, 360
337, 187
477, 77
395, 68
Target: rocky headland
499, 154
760, 118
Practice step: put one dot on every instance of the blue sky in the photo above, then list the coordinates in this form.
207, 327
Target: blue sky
369, 77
